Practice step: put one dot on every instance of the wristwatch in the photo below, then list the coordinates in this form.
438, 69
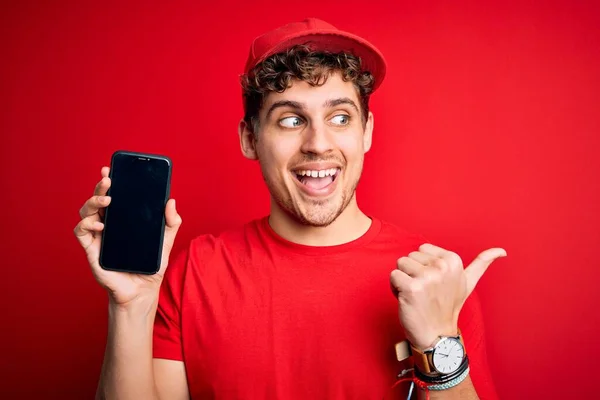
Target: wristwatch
443, 358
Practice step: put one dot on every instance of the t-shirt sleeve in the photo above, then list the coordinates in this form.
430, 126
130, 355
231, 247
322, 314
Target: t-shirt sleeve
472, 329
167, 323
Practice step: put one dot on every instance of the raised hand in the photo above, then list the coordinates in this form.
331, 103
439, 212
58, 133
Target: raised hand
431, 286
123, 288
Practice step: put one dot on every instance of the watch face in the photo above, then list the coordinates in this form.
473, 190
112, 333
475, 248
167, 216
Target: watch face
448, 355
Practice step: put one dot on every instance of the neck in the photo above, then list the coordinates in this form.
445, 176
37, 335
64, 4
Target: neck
351, 224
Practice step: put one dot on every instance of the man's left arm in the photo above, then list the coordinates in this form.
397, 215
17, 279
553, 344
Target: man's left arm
479, 383
432, 288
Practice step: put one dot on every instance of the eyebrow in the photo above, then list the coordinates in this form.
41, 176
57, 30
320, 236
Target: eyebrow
344, 100
299, 106
285, 103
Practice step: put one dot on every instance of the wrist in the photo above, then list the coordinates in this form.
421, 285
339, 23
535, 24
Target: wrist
140, 307
443, 358
443, 384
427, 340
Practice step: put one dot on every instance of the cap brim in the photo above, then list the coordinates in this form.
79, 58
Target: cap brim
336, 41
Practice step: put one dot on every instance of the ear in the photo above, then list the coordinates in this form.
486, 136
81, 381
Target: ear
368, 135
247, 141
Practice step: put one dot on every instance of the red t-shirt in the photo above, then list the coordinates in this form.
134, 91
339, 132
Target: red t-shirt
254, 316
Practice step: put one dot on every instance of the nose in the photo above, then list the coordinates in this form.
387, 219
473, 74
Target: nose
316, 140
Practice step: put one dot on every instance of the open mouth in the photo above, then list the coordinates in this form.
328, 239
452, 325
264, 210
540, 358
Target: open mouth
317, 179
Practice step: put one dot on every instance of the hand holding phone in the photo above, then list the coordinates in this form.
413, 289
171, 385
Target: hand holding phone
144, 277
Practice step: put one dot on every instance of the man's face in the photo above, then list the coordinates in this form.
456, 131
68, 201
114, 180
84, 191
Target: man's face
311, 146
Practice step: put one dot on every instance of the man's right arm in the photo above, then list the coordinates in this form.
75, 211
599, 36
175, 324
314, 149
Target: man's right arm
129, 371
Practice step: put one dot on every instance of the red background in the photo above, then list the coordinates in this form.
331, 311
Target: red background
486, 134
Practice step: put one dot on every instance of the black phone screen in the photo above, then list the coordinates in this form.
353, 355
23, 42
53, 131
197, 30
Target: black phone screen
134, 220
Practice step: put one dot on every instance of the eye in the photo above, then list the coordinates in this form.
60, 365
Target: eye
290, 122
341, 119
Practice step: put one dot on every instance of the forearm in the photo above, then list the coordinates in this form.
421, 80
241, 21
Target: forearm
127, 371
463, 391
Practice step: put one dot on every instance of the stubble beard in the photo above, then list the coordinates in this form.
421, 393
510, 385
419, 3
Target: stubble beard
319, 213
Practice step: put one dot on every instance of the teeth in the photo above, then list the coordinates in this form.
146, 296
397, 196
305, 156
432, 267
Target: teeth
318, 174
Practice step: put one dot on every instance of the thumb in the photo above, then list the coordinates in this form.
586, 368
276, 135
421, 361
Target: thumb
172, 218
173, 222
477, 268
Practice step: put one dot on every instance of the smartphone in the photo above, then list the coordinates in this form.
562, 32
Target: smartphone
134, 221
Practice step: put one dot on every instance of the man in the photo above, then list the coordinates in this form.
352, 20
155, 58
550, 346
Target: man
296, 305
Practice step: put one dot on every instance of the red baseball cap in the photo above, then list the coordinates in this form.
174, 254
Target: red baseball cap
318, 35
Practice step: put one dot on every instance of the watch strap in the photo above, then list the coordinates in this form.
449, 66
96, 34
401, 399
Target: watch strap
422, 359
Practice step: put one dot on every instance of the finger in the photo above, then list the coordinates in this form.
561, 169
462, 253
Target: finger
422, 258
102, 187
172, 223
410, 266
399, 282
105, 171
433, 250
93, 205
450, 257
87, 226
427, 260
173, 219
477, 268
